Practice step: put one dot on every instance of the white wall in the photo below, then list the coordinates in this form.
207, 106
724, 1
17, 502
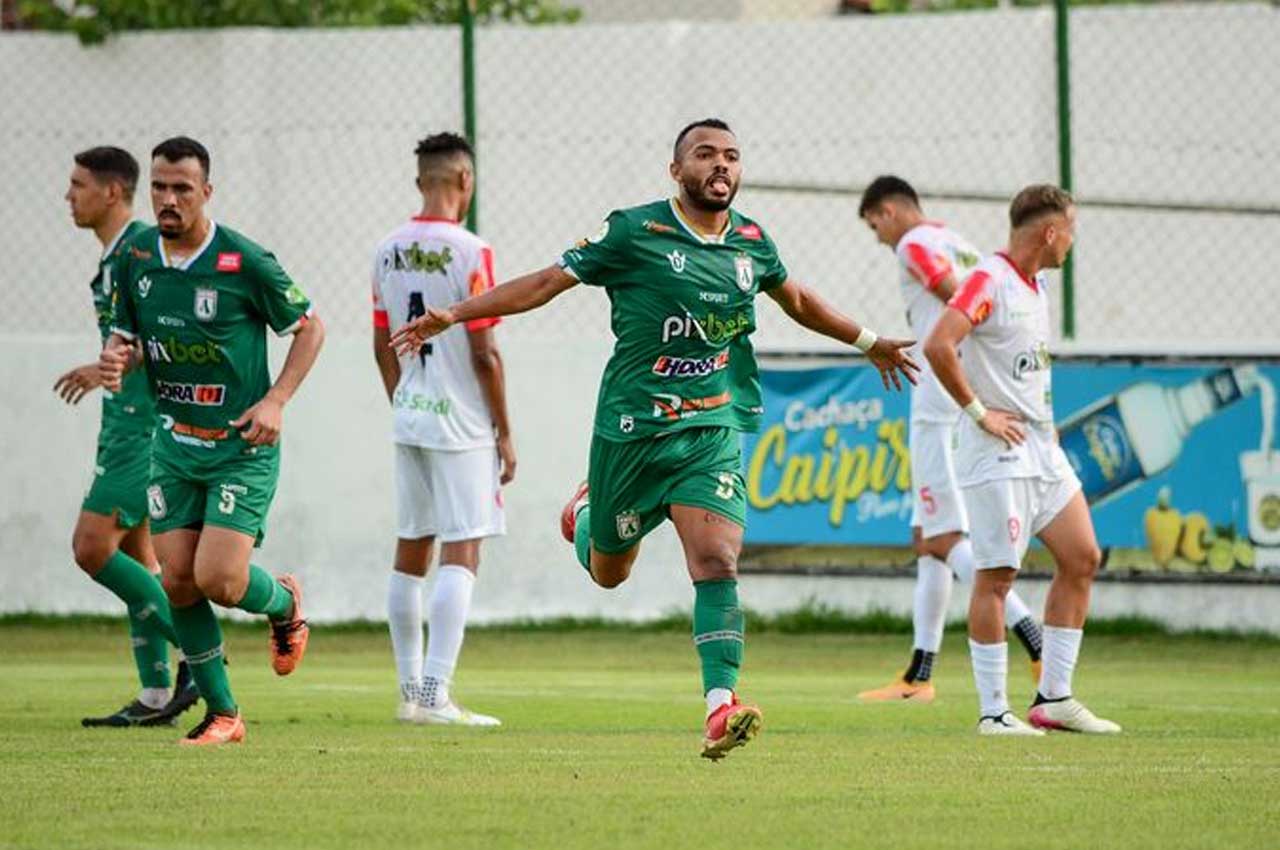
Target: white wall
312, 134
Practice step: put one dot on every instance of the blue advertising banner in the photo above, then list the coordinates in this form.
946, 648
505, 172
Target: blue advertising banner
1177, 460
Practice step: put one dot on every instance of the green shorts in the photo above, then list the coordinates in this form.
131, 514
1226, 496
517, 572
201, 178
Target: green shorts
121, 471
233, 493
632, 484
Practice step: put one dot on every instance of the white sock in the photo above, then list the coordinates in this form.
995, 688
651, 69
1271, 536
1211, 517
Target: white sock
404, 616
717, 697
960, 560
447, 624
1015, 610
933, 592
1061, 649
154, 697
990, 675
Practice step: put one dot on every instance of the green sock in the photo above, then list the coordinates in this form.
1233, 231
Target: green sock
202, 644
718, 632
140, 591
582, 537
266, 595
150, 649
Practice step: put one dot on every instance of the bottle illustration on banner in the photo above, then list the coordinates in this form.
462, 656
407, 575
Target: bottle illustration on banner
1137, 433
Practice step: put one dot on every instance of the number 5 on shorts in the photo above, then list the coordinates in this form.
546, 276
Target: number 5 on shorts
725, 490
227, 502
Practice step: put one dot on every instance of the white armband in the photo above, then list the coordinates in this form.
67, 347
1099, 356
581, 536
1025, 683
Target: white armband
976, 410
866, 339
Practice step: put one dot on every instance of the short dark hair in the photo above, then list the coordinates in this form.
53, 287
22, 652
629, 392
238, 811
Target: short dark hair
713, 123
182, 147
442, 145
884, 187
1037, 201
108, 163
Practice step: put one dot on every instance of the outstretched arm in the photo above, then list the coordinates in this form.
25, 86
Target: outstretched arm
515, 296
811, 310
942, 351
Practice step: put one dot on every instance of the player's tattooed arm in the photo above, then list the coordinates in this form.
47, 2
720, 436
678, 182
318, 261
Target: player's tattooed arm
260, 425
941, 349
811, 310
524, 293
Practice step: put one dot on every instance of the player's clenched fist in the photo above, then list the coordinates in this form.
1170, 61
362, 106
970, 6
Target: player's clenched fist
890, 357
112, 364
410, 337
260, 425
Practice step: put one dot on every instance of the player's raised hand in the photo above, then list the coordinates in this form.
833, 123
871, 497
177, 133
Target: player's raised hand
507, 454
890, 357
1003, 424
260, 425
77, 383
112, 364
410, 337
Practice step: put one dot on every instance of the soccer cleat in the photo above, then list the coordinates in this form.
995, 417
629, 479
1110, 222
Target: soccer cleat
569, 516
407, 710
133, 714
731, 725
900, 690
1070, 715
289, 637
185, 695
451, 714
215, 729
1007, 724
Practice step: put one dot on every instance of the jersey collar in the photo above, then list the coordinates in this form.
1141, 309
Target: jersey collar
1030, 282
435, 219
115, 241
718, 239
195, 255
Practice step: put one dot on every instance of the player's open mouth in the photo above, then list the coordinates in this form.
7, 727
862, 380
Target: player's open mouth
718, 183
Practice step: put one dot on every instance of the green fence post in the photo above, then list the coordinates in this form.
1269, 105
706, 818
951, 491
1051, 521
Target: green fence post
1061, 16
469, 100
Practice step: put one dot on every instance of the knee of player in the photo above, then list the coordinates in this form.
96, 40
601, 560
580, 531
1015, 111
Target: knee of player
1088, 563
608, 579
181, 591
720, 562
91, 551
218, 588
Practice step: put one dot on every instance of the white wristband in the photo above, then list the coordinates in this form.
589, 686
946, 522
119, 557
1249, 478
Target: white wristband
976, 410
866, 339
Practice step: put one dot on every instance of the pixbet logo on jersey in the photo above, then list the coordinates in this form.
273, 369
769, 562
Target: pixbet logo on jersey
201, 395
690, 367
1033, 360
173, 350
712, 328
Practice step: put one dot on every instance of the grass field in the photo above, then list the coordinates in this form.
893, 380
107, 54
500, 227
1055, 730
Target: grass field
600, 750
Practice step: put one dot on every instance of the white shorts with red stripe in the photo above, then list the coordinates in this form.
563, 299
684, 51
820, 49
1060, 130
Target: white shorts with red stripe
938, 505
1007, 512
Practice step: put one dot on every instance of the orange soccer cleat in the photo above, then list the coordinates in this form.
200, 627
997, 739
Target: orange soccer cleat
216, 729
731, 725
569, 516
900, 690
289, 637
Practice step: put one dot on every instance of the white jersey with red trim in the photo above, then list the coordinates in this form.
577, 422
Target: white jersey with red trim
927, 253
1006, 359
431, 262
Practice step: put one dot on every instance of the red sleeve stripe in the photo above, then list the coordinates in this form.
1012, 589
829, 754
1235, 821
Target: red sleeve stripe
483, 324
380, 319
974, 297
928, 268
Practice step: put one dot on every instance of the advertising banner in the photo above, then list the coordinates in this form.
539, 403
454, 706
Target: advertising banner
1178, 461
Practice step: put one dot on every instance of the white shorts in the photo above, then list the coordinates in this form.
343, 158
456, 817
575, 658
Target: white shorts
1008, 512
450, 495
938, 505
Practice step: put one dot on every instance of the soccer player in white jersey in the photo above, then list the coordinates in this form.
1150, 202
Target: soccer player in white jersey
453, 448
1016, 480
932, 258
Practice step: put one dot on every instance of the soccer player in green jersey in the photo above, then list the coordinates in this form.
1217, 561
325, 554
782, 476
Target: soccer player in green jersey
111, 542
198, 297
682, 276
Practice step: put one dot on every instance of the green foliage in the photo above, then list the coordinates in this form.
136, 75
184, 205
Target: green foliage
96, 20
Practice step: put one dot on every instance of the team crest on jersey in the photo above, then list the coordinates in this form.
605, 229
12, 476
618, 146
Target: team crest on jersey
677, 261
746, 272
206, 304
144, 286
628, 525
155, 502
600, 234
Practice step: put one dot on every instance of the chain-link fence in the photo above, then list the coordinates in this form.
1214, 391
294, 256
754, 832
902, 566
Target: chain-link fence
1174, 119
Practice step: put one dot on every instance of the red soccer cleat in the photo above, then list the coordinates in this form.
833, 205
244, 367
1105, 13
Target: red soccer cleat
289, 637
731, 725
215, 729
569, 516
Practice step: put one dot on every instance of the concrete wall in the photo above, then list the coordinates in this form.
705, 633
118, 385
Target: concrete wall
312, 134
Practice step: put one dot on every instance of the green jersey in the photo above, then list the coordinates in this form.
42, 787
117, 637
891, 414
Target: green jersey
202, 322
130, 413
682, 311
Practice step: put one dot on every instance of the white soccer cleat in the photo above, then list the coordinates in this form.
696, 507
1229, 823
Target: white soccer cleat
407, 712
1070, 715
452, 714
1007, 724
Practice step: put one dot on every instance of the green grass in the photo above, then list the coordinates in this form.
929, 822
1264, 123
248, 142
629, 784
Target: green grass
600, 749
